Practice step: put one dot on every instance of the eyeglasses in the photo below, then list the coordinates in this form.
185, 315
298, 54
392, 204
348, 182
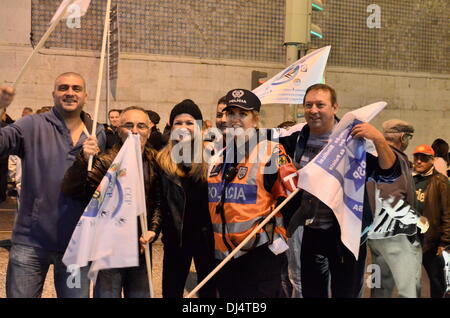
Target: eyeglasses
422, 157
130, 126
408, 136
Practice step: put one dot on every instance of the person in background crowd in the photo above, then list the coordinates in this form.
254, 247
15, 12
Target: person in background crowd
208, 124
221, 116
6, 95
44, 109
433, 201
186, 228
393, 239
112, 135
166, 134
287, 124
156, 139
441, 158
27, 111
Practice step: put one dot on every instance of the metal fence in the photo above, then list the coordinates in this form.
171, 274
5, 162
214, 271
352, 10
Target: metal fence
414, 34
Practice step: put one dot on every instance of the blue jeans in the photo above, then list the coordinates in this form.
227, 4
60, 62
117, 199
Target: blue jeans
327, 262
290, 272
434, 265
27, 270
133, 281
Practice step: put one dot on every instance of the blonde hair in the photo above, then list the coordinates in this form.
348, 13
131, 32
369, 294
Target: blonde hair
256, 118
198, 170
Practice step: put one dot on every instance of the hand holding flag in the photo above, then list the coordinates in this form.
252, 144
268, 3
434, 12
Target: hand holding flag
337, 175
107, 231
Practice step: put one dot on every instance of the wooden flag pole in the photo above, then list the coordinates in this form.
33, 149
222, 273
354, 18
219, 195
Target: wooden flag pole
144, 227
240, 246
100, 76
108, 66
40, 44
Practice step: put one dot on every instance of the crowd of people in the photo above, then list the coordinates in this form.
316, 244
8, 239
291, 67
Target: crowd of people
208, 187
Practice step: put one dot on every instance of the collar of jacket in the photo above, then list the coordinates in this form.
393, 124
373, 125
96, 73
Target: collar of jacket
302, 140
55, 118
429, 172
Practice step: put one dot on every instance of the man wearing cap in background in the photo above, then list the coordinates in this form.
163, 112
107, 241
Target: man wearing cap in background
433, 196
393, 238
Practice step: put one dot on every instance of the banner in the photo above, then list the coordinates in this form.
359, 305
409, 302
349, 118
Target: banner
106, 233
289, 86
337, 175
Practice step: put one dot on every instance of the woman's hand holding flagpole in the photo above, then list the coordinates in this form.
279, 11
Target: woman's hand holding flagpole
239, 247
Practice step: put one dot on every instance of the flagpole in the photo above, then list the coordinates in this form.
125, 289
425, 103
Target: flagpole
40, 44
108, 63
240, 246
100, 75
144, 228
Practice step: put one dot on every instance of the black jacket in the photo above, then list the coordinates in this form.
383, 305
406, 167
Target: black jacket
81, 184
173, 207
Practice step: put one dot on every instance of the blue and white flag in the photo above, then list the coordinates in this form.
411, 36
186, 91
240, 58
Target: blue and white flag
81, 7
106, 233
337, 175
289, 86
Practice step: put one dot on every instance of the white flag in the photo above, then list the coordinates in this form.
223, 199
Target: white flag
289, 86
106, 233
337, 175
82, 4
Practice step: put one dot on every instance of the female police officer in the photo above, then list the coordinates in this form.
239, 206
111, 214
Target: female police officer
245, 183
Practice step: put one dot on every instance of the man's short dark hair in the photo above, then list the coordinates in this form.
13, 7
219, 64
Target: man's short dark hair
287, 124
135, 108
28, 109
323, 87
114, 110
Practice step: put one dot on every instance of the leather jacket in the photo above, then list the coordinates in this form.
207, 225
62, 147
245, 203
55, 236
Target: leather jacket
437, 211
173, 204
81, 184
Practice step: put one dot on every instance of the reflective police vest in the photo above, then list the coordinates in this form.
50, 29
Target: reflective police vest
246, 202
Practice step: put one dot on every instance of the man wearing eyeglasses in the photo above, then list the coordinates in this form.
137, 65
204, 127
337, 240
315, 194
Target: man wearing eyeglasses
393, 238
433, 197
81, 184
